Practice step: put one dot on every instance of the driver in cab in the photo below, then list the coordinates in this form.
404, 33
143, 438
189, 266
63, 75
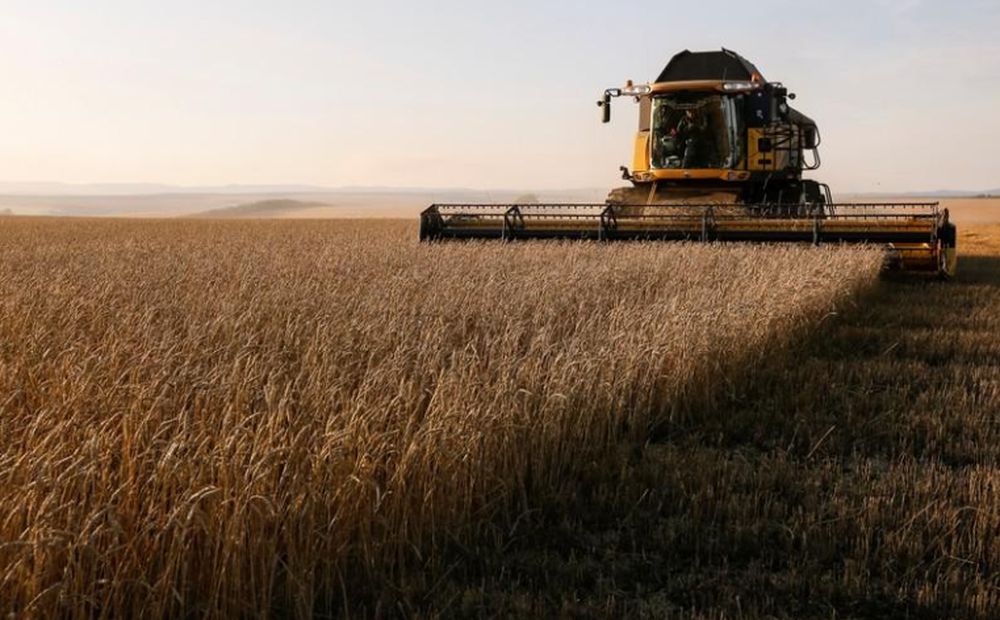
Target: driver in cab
688, 133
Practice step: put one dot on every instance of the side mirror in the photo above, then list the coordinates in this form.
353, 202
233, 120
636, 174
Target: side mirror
810, 137
605, 106
605, 103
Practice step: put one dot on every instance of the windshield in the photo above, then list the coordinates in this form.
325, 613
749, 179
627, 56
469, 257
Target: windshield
697, 130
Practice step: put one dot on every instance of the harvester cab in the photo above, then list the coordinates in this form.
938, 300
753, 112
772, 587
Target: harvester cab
718, 155
712, 126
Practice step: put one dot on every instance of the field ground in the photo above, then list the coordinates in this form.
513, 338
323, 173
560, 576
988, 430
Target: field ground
853, 475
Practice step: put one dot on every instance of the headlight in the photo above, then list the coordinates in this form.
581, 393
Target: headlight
738, 86
636, 90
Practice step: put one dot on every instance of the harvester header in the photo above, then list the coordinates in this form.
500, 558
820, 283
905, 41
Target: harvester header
718, 155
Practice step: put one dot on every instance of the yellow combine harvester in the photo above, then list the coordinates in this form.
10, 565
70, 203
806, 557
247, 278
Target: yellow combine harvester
718, 156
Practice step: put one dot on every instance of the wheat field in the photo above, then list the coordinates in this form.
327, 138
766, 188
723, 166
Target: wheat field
266, 418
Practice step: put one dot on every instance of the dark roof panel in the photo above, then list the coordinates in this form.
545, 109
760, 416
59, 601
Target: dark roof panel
721, 65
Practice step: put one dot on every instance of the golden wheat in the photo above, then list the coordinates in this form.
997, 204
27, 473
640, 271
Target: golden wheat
247, 418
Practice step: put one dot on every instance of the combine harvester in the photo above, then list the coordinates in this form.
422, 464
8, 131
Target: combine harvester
718, 156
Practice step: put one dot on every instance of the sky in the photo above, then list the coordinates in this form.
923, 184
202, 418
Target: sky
468, 94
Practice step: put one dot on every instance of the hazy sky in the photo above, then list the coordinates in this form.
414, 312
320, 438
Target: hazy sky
491, 95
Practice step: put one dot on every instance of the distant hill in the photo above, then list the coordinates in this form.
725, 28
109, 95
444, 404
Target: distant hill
260, 208
147, 189
50, 189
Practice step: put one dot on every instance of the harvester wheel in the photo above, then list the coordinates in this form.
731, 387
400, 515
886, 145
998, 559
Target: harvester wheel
947, 250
